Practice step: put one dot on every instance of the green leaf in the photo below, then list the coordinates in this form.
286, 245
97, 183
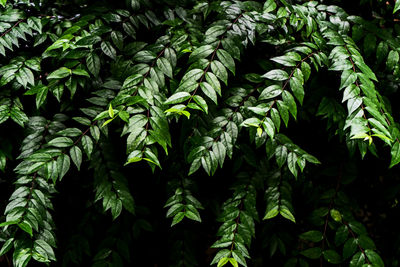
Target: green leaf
144, 56
41, 95
271, 213
76, 156
116, 207
177, 218
207, 89
18, 116
306, 70
129, 29
9, 223
7, 246
286, 213
220, 152
178, 98
366, 70
290, 103
271, 91
213, 81
22, 257
396, 6
313, 236
291, 162
392, 60
233, 262
165, 66
89, 40
341, 65
151, 157
61, 142
201, 52
297, 89
63, 164
124, 115
3, 2
201, 102
357, 227
335, 214
269, 6
349, 248
219, 70
93, 63
60, 73
358, 260
332, 256
45, 247
276, 75
108, 49
117, 39
239, 257
312, 253
25, 76
374, 258
80, 72
222, 262
132, 80
26, 227
111, 111
281, 153
87, 145
224, 253
285, 61
191, 76
193, 215
226, 59
35, 23
395, 152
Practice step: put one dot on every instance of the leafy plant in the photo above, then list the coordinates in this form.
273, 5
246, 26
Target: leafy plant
130, 127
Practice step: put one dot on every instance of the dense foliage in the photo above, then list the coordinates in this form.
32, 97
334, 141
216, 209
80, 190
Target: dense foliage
190, 133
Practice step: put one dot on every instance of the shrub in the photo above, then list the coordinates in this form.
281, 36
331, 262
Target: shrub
248, 133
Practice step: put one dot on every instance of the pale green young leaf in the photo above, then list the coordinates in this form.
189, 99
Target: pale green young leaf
222, 262
177, 218
286, 213
396, 6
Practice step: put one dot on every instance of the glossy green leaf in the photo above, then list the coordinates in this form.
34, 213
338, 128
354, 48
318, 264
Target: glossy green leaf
76, 156
60, 73
178, 98
276, 75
